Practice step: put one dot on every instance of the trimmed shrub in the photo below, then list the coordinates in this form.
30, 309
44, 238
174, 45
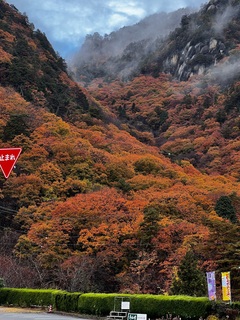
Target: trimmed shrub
236, 305
26, 297
159, 306
152, 305
65, 301
96, 303
2, 283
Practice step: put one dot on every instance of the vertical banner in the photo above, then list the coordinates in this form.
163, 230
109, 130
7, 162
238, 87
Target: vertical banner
226, 286
211, 283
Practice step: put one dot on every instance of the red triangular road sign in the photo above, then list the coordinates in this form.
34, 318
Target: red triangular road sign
8, 158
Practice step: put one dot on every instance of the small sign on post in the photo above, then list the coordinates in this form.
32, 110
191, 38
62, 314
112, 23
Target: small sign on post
8, 158
137, 316
125, 305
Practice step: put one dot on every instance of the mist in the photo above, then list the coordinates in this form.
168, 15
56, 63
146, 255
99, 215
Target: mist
222, 19
116, 46
131, 50
228, 69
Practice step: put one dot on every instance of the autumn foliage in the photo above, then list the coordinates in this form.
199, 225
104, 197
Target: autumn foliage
115, 185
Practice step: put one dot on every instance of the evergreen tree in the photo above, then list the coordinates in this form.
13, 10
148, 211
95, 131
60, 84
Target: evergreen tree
16, 125
225, 209
149, 227
189, 280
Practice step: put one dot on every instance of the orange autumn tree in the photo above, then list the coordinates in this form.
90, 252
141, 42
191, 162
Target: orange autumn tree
96, 225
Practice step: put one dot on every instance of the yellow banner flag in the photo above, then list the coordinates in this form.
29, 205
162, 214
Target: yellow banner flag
226, 286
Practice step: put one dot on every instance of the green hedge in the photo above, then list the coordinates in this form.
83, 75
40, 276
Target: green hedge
155, 306
236, 305
65, 301
26, 297
159, 306
96, 304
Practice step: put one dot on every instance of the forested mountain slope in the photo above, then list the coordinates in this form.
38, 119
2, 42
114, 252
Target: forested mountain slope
196, 121
30, 65
93, 203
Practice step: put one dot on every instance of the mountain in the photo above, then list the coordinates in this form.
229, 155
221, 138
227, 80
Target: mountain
119, 53
116, 181
203, 40
182, 44
29, 64
195, 120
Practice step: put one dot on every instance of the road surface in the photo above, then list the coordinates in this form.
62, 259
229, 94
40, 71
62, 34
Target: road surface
21, 314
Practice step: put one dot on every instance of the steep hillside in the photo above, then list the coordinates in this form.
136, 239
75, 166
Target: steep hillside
94, 209
196, 42
195, 120
204, 39
119, 53
89, 206
30, 65
190, 121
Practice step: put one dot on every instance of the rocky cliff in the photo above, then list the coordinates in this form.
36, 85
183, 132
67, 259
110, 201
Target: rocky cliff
198, 41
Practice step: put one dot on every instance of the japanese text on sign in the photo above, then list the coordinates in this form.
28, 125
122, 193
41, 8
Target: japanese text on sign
7, 157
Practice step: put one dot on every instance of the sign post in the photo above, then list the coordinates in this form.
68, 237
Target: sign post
8, 158
137, 316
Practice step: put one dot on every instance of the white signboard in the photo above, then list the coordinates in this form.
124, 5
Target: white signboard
125, 305
137, 316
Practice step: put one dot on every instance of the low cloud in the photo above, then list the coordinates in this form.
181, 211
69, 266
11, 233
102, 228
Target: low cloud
116, 19
66, 23
129, 8
224, 18
225, 72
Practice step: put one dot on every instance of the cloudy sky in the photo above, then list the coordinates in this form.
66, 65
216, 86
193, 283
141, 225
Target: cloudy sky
66, 23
